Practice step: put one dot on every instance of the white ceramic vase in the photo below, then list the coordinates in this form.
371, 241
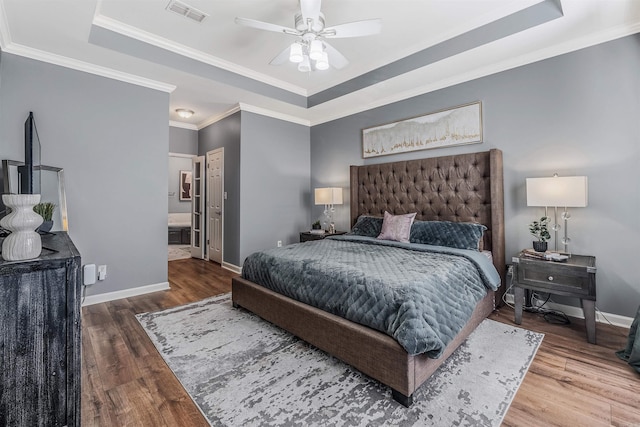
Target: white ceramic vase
23, 242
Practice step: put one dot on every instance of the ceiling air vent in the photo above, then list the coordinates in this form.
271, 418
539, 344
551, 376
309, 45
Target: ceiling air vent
185, 10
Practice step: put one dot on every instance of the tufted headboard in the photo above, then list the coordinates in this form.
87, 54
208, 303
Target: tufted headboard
460, 188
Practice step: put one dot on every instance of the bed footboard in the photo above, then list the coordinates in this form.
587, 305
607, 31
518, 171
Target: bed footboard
371, 352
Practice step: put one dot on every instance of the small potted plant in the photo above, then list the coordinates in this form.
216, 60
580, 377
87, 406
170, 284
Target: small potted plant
540, 230
316, 225
45, 210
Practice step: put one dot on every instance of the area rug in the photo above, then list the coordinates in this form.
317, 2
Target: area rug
242, 370
179, 252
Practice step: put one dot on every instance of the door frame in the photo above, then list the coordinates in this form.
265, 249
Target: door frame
208, 210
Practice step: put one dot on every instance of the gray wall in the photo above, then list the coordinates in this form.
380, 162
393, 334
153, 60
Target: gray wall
177, 164
226, 134
183, 141
575, 114
112, 140
274, 182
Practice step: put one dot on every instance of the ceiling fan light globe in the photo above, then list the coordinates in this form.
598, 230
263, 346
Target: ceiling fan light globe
315, 50
296, 55
305, 66
323, 62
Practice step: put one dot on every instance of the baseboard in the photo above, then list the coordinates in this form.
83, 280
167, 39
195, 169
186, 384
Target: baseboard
125, 293
231, 267
569, 310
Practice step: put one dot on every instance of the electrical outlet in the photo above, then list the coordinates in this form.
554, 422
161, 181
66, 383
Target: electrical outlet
279, 243
102, 272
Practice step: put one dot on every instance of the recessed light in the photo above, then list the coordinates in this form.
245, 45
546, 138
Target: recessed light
184, 113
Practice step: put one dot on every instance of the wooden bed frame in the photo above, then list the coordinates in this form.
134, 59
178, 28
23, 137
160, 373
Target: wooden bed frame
461, 188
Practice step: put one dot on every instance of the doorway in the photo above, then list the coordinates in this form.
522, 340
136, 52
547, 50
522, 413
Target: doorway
215, 203
179, 205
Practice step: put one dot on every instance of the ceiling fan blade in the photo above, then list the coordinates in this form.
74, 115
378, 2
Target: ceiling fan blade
336, 59
354, 29
265, 26
310, 10
282, 57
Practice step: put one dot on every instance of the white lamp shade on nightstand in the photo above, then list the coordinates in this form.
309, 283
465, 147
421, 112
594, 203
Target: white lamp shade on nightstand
563, 191
328, 196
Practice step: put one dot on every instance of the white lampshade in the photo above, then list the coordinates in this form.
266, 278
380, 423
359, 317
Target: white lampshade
315, 50
295, 54
563, 191
323, 62
328, 196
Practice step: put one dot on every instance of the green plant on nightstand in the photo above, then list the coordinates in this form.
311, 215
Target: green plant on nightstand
316, 225
540, 230
45, 210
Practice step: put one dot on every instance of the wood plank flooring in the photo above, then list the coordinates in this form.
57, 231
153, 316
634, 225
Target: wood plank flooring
125, 382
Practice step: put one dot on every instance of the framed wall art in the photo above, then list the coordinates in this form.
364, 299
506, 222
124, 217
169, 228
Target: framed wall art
445, 128
185, 185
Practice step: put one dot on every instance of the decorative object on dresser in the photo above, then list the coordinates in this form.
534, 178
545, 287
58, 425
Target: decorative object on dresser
45, 210
23, 242
469, 190
557, 191
306, 236
573, 277
40, 347
282, 380
444, 128
539, 230
328, 197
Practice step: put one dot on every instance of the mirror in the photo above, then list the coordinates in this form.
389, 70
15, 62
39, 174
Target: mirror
48, 181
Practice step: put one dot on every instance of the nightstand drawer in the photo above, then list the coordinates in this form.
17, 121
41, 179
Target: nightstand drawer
555, 279
576, 277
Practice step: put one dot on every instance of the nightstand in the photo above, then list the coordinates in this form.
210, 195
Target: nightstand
575, 277
306, 236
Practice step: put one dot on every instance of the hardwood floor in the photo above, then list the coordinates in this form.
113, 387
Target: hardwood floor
125, 382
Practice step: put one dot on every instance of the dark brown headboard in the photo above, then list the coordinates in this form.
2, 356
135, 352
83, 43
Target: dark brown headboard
460, 188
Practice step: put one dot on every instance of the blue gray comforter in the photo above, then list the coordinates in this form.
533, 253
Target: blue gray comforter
420, 295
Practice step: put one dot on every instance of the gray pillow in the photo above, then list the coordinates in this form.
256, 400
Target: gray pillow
460, 235
369, 226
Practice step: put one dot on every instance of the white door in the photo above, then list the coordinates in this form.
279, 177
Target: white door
215, 202
198, 240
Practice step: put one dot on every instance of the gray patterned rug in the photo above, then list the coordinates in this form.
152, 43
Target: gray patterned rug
243, 371
179, 252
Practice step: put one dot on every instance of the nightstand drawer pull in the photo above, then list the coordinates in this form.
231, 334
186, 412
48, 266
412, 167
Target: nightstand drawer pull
550, 278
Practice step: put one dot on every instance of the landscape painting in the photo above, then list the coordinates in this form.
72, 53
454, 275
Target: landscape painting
455, 126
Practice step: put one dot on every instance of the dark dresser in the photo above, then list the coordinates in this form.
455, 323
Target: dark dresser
40, 336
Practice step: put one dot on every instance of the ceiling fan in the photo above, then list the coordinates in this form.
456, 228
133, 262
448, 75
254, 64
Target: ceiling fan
311, 50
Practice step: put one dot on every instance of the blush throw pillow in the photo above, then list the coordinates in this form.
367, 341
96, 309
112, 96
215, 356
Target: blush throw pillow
396, 227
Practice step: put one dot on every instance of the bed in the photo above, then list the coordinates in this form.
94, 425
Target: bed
465, 188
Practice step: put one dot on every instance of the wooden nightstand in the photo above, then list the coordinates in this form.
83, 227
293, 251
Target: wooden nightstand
575, 277
305, 236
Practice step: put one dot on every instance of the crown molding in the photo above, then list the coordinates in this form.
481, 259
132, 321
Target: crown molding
274, 114
219, 117
257, 110
152, 39
539, 55
183, 125
74, 64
